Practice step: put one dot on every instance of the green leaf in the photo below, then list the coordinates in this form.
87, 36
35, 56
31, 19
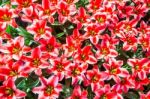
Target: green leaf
127, 67
1, 2
81, 3
4, 2
14, 6
131, 95
33, 84
27, 84
27, 42
12, 31
60, 34
24, 33
21, 84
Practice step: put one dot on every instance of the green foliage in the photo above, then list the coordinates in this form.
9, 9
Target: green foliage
82, 3
14, 32
27, 84
60, 34
4, 2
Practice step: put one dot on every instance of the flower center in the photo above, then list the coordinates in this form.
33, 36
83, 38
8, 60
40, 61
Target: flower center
145, 44
129, 41
64, 12
9, 91
71, 48
81, 19
69, 1
49, 47
104, 97
47, 11
94, 79
41, 31
49, 90
36, 62
25, 4
92, 32
76, 72
95, 7
60, 67
6, 17
137, 67
113, 71
83, 57
16, 50
128, 27
105, 51
13, 73
100, 20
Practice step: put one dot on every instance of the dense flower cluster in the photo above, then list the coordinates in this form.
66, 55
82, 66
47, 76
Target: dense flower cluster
98, 50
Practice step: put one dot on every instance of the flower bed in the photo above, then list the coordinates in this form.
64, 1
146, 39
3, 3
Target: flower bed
75, 49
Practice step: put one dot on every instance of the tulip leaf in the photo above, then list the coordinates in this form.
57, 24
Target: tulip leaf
24, 33
81, 3
4, 2
21, 84
12, 31
27, 84
60, 34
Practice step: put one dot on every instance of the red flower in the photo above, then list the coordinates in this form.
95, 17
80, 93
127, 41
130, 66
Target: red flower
65, 11
14, 70
94, 5
23, 3
15, 48
77, 38
46, 11
49, 46
130, 42
95, 78
123, 85
139, 10
49, 89
105, 93
129, 25
78, 94
138, 66
92, 32
114, 70
105, 50
9, 91
39, 29
144, 42
81, 19
70, 47
36, 61
7, 16
59, 67
144, 28
139, 83
30, 14
124, 11
85, 56
116, 28
145, 96
76, 71
101, 19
